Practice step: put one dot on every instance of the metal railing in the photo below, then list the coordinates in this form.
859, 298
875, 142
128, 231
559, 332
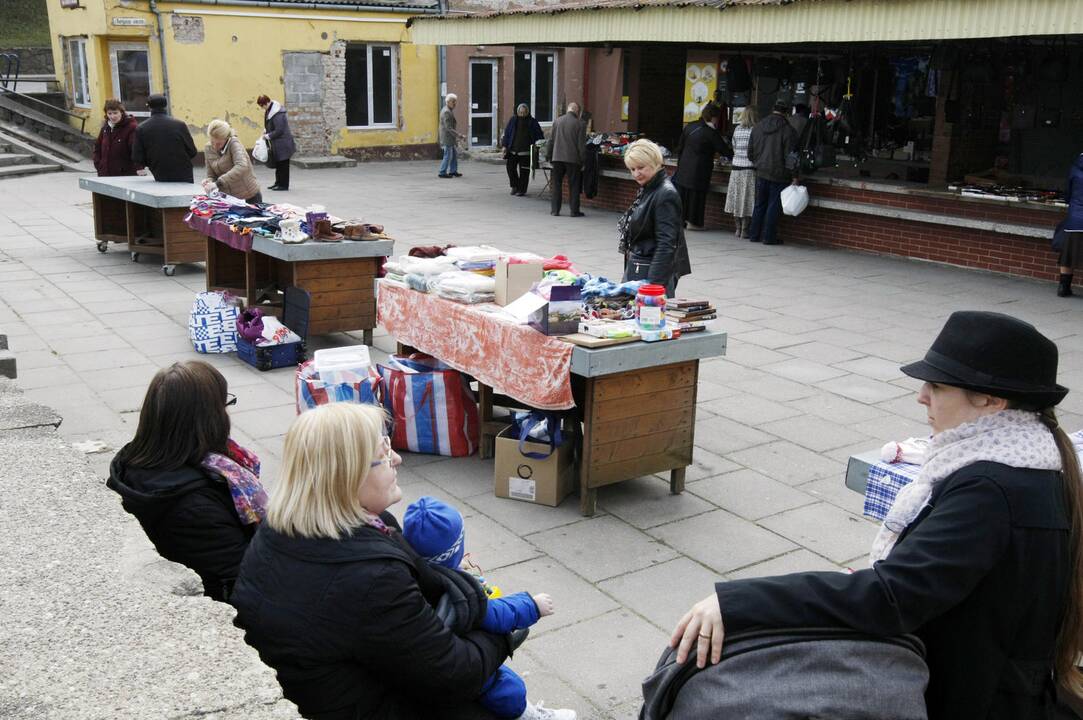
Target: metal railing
9, 80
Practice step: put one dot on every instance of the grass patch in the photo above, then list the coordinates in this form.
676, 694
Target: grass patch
25, 24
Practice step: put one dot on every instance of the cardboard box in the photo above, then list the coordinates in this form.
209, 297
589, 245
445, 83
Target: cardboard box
515, 279
561, 315
544, 482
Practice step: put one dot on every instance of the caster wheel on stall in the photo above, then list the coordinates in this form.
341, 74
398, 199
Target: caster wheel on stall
135, 257
169, 270
102, 246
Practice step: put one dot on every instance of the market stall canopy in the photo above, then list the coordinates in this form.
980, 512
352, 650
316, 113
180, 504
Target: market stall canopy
750, 21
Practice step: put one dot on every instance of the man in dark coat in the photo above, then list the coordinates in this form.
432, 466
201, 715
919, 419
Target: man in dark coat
164, 145
696, 149
566, 150
520, 134
770, 148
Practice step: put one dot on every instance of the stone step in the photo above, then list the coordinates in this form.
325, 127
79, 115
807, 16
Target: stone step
313, 162
10, 158
22, 170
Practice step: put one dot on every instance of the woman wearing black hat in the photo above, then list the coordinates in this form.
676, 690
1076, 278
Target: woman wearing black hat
981, 557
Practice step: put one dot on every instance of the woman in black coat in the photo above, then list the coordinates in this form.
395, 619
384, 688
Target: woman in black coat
651, 231
113, 148
696, 149
195, 492
333, 598
980, 557
279, 141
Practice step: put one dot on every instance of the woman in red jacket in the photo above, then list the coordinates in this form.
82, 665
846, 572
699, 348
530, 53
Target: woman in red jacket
113, 149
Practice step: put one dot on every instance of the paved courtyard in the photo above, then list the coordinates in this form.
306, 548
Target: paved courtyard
811, 376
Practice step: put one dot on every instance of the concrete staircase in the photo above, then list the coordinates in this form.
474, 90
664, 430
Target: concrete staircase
19, 164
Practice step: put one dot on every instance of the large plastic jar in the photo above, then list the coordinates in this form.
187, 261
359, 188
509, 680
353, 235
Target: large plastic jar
651, 307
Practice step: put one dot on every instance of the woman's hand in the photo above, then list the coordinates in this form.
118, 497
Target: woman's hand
209, 185
702, 628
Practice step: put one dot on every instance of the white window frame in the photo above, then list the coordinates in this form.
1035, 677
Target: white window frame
368, 82
534, 83
78, 82
114, 71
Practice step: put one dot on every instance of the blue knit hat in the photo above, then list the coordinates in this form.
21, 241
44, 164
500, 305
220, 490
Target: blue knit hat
435, 530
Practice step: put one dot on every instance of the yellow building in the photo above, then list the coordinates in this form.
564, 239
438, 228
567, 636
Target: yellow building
346, 71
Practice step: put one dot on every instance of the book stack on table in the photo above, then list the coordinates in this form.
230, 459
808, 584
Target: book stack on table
689, 314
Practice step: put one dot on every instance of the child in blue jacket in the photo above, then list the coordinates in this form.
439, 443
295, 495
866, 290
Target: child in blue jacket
435, 530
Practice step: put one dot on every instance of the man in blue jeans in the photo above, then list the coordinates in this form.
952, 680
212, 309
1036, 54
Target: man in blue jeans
772, 142
449, 138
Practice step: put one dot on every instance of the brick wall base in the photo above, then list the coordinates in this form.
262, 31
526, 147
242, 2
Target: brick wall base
426, 151
939, 242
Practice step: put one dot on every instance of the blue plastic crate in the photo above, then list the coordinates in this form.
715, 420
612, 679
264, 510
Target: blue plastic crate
295, 304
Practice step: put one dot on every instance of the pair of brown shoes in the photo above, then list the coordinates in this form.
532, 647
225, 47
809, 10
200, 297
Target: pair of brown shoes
323, 232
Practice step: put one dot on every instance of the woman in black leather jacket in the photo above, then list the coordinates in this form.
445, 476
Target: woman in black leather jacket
651, 231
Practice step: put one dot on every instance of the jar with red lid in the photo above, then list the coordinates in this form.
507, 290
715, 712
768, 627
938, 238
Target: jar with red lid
651, 307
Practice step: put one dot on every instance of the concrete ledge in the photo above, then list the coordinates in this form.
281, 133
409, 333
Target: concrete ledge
91, 630
322, 162
7, 364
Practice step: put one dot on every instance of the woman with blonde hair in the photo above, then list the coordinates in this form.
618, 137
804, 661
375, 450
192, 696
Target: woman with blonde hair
651, 232
334, 598
229, 168
741, 193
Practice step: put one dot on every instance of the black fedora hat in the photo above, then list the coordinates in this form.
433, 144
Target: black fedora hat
994, 354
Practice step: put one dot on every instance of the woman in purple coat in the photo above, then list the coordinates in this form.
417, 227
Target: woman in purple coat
113, 148
279, 141
1068, 240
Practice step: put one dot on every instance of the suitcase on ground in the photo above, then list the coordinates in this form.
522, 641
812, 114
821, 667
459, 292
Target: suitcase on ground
295, 306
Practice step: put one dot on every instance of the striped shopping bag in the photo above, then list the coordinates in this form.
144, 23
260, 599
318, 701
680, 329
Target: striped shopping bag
432, 408
362, 386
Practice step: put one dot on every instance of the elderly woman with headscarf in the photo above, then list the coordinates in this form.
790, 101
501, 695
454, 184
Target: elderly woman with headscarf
229, 168
520, 134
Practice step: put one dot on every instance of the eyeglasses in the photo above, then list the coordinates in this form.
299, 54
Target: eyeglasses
385, 441
231, 399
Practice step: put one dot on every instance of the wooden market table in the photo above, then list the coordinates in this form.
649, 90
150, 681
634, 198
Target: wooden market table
636, 402
146, 215
339, 277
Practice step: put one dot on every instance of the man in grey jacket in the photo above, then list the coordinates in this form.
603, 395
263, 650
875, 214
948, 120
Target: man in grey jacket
566, 150
449, 138
772, 143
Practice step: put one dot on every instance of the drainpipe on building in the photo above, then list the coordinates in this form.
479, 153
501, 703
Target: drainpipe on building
161, 49
441, 51
307, 6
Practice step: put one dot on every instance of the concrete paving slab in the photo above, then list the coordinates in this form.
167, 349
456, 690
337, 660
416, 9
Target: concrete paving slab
646, 502
685, 582
804, 371
606, 658
797, 561
749, 409
545, 686
722, 541
788, 463
601, 547
749, 494
825, 529
863, 389
775, 388
462, 477
574, 599
815, 433
837, 409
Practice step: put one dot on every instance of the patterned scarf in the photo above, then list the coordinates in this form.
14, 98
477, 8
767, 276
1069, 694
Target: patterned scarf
625, 220
1015, 438
240, 470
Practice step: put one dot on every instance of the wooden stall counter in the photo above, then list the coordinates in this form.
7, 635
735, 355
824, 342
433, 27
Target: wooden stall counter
339, 277
146, 215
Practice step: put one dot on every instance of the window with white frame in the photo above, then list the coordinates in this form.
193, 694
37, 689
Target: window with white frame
370, 86
536, 83
78, 84
130, 67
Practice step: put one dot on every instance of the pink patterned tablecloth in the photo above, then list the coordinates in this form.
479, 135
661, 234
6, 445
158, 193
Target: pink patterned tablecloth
514, 360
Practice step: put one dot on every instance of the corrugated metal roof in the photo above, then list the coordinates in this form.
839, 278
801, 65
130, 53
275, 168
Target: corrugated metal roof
420, 5
733, 22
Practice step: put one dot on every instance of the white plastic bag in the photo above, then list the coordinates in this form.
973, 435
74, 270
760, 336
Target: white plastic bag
794, 199
260, 151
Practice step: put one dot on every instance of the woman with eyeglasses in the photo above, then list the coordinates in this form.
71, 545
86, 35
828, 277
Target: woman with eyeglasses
334, 598
196, 493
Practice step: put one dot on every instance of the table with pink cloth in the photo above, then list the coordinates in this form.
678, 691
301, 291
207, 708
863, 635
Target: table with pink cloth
515, 360
636, 402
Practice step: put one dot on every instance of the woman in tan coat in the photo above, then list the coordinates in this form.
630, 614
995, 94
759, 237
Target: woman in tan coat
229, 168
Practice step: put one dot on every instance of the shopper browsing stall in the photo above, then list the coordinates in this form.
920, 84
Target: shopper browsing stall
520, 134
279, 139
1068, 239
113, 148
698, 145
772, 148
163, 144
741, 191
650, 232
229, 168
566, 150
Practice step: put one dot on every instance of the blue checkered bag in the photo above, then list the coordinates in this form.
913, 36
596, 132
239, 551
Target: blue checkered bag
212, 323
884, 483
